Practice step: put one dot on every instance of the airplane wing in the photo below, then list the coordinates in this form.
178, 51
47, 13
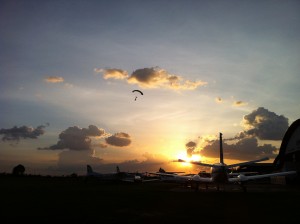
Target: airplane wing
242, 178
185, 178
173, 177
245, 173
128, 180
150, 180
194, 162
174, 174
199, 179
168, 174
139, 179
247, 163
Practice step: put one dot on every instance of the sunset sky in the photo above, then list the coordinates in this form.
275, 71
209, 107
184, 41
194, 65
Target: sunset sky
68, 69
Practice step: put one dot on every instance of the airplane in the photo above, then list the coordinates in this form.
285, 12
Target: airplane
119, 176
219, 173
161, 170
105, 176
173, 177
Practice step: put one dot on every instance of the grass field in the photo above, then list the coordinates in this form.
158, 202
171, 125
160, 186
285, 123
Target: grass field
72, 200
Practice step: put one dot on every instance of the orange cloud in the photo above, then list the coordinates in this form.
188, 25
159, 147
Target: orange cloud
219, 100
112, 73
152, 78
239, 103
54, 79
156, 77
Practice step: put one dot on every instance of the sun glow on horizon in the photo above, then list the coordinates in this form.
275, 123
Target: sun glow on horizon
184, 156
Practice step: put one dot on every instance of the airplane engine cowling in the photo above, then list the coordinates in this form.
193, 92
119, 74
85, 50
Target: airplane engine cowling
196, 178
242, 177
137, 178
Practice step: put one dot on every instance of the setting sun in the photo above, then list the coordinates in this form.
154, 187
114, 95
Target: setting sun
184, 156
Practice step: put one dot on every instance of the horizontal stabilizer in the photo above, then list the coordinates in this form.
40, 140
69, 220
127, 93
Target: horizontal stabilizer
194, 162
242, 178
247, 163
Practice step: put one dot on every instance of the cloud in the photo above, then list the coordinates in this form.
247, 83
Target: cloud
265, 125
54, 79
101, 145
68, 85
77, 159
77, 139
113, 73
219, 100
239, 103
150, 162
190, 147
119, 139
245, 149
23, 132
260, 124
79, 145
156, 77
151, 78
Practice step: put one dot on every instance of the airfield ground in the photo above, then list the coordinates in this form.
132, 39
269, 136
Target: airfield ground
73, 200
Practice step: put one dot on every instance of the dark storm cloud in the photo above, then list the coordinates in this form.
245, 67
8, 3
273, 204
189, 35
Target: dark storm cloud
23, 132
190, 147
245, 149
75, 138
260, 124
119, 139
265, 125
151, 78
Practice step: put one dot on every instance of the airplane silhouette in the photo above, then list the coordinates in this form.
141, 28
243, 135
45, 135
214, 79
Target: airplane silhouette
220, 172
119, 176
174, 176
105, 176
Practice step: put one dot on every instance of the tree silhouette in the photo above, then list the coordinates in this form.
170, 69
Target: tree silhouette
18, 170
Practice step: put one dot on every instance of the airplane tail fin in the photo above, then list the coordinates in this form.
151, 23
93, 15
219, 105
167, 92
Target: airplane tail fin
89, 169
221, 150
161, 170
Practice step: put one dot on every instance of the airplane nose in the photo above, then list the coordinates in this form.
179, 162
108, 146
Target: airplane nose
196, 178
137, 178
242, 177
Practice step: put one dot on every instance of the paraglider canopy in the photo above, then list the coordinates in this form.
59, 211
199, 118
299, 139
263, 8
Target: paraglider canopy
136, 90
139, 91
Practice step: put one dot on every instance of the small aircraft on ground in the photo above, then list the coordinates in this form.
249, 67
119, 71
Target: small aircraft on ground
174, 177
161, 170
120, 176
220, 175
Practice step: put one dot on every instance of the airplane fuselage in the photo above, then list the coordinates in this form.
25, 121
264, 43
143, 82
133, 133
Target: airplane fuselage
219, 173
